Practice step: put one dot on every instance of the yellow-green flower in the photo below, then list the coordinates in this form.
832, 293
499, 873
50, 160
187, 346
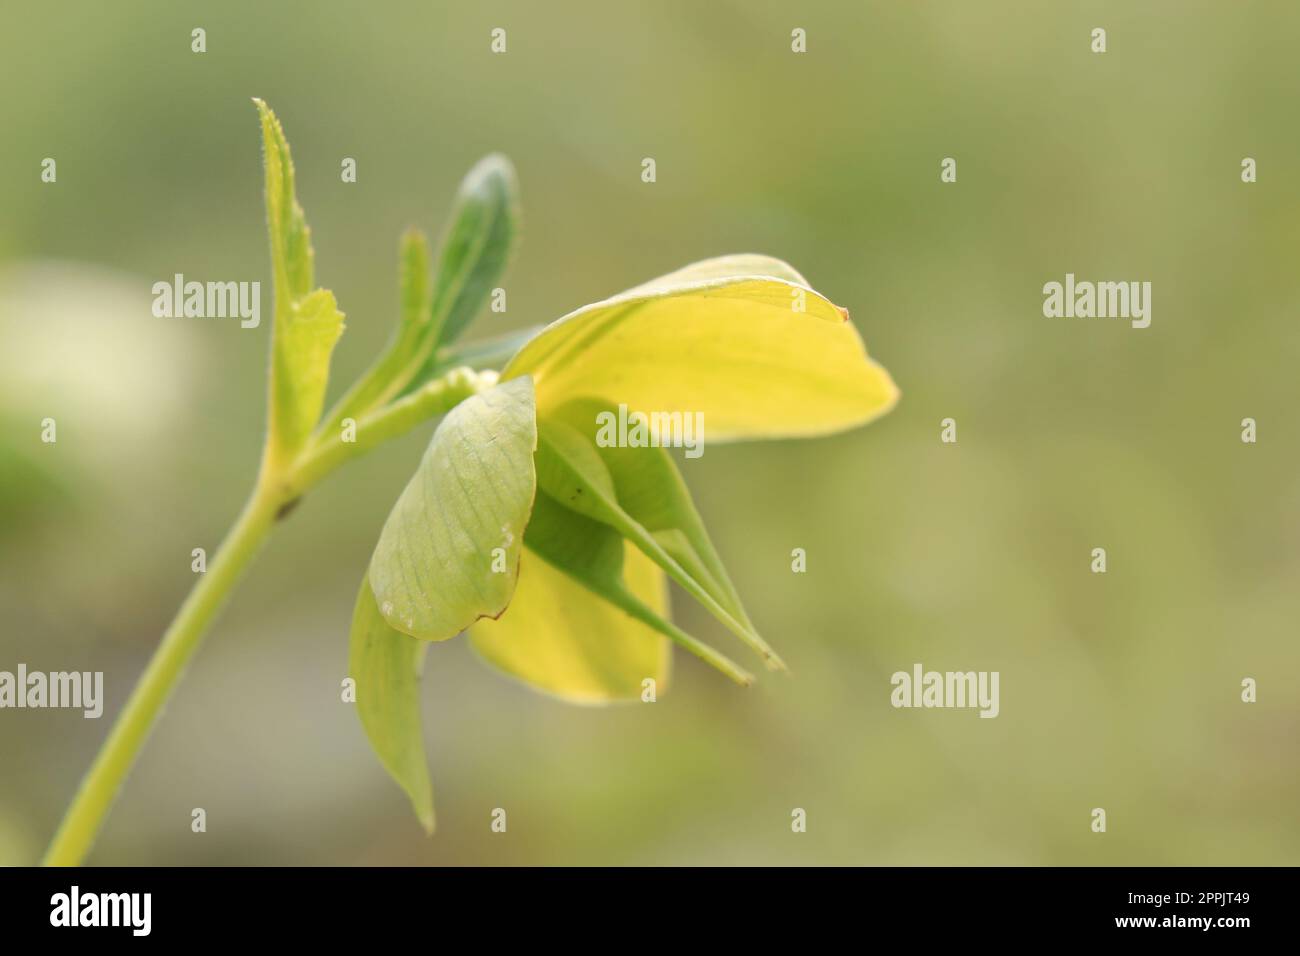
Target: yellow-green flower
554, 551
744, 342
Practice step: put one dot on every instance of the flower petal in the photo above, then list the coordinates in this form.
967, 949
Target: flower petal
760, 355
450, 548
559, 637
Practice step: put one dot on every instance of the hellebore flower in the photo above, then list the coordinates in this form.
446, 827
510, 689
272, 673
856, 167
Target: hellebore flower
525, 524
554, 550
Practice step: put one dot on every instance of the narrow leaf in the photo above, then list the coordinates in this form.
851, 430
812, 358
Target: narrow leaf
307, 323
385, 665
291, 252
593, 555
391, 371
650, 488
449, 551
570, 470
472, 258
476, 247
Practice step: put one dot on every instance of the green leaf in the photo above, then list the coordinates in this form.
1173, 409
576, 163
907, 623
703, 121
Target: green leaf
742, 340
570, 469
390, 373
593, 555
300, 368
291, 252
476, 247
649, 487
386, 667
307, 323
472, 258
449, 551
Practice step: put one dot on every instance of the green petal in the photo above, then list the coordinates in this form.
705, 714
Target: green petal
593, 555
570, 470
385, 665
449, 551
650, 488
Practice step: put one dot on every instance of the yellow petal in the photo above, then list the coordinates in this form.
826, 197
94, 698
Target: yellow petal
561, 638
742, 340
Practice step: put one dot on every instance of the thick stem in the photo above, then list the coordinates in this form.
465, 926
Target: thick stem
86, 814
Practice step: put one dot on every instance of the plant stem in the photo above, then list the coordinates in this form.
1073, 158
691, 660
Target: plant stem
389, 422
84, 817
82, 821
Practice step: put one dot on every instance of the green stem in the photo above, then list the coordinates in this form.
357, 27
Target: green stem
86, 815
387, 423
82, 821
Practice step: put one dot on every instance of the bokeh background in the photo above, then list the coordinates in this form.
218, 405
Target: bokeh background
1118, 690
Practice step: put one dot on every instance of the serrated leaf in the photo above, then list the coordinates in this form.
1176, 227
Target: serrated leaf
300, 370
571, 471
307, 323
593, 554
449, 551
291, 251
386, 667
476, 247
709, 339
560, 638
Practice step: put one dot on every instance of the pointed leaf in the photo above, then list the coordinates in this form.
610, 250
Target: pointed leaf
649, 487
570, 470
385, 665
474, 253
394, 367
477, 245
593, 555
449, 551
291, 252
307, 324
735, 348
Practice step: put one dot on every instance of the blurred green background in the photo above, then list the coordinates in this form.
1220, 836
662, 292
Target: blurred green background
1118, 691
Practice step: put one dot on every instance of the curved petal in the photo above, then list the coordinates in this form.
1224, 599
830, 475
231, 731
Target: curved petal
561, 638
385, 664
760, 355
450, 547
